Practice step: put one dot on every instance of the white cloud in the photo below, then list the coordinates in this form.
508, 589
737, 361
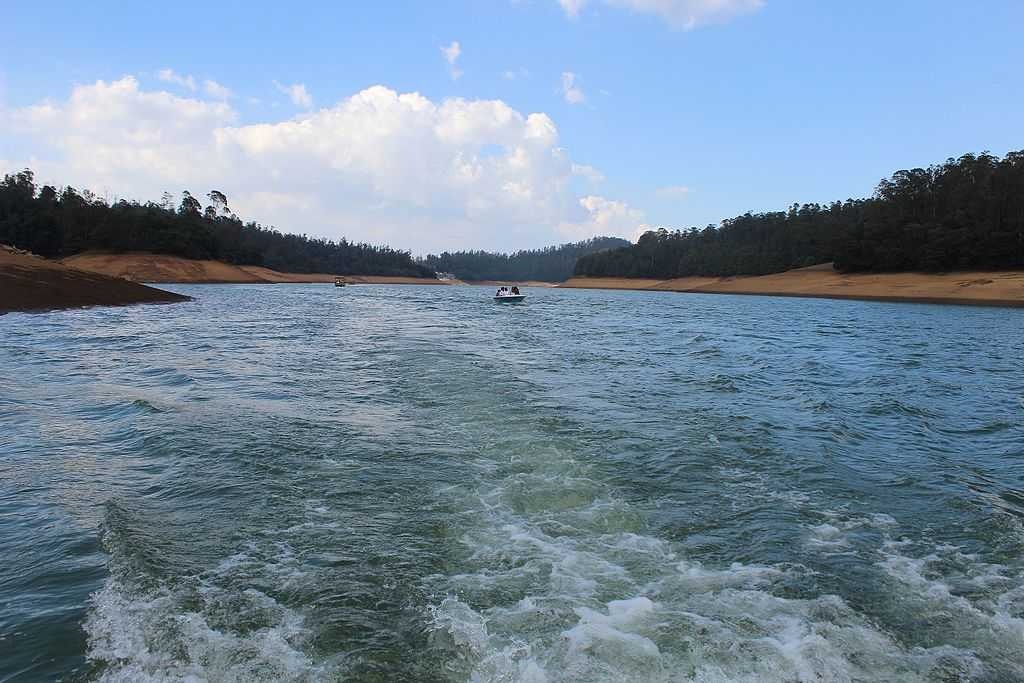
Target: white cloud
297, 93
451, 54
515, 74
215, 89
572, 7
605, 217
170, 76
570, 90
681, 14
189, 82
378, 166
588, 172
109, 132
674, 191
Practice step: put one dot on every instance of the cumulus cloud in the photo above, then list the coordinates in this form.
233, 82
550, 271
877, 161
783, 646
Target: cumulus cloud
380, 166
588, 172
109, 131
297, 93
604, 216
451, 55
674, 191
681, 14
571, 91
170, 76
215, 89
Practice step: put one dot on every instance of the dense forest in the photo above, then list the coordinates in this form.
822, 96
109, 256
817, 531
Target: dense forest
60, 222
552, 264
962, 214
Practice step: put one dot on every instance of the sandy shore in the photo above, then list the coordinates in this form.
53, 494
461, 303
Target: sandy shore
161, 268
394, 280
976, 288
507, 283
31, 283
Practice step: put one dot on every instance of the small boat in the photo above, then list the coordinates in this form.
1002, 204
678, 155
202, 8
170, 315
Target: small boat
339, 282
509, 296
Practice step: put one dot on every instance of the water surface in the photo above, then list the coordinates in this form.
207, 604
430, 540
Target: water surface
300, 483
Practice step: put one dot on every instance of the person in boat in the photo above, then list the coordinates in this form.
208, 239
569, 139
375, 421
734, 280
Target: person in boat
515, 290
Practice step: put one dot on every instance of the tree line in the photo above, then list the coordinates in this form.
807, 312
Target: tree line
61, 222
965, 213
551, 264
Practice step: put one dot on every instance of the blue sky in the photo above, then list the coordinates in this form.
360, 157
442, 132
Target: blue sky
661, 112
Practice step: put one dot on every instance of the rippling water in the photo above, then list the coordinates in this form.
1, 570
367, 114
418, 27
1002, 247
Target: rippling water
299, 483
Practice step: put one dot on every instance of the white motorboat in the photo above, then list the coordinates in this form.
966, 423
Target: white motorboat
509, 296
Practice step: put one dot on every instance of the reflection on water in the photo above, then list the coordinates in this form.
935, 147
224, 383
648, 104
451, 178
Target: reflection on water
299, 483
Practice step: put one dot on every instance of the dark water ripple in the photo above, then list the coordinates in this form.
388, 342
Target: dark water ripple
297, 483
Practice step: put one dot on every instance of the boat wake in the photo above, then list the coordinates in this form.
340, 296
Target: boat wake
561, 583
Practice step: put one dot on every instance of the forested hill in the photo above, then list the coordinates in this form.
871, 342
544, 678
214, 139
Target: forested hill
966, 213
57, 223
552, 264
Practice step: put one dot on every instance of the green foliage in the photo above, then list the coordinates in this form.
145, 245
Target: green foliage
965, 213
552, 264
56, 223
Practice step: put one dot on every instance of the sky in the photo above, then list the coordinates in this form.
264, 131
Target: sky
504, 124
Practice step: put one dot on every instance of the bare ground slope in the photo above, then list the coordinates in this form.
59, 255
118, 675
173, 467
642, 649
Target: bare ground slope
975, 287
32, 283
147, 267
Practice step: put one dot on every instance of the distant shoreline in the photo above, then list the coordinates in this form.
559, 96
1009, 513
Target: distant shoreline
165, 269
974, 288
95, 278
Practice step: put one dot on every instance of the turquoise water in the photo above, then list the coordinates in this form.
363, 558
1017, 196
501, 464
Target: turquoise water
300, 483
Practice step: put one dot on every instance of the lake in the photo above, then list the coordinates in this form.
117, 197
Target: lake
387, 483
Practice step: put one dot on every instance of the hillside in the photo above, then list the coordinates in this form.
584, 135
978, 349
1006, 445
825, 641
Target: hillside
60, 222
148, 267
31, 283
964, 214
551, 264
1005, 288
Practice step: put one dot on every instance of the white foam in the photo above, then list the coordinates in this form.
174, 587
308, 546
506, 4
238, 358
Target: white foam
989, 622
835, 535
700, 579
462, 632
611, 634
571, 596
153, 638
828, 537
881, 520
465, 628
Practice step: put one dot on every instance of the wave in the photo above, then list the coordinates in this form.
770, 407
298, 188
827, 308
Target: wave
576, 590
205, 634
